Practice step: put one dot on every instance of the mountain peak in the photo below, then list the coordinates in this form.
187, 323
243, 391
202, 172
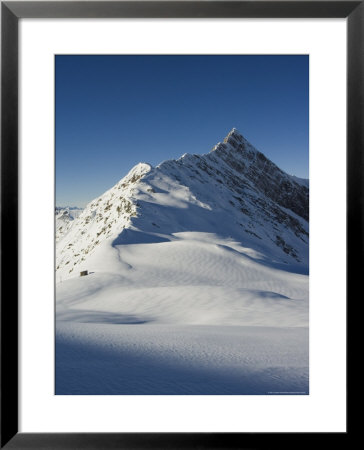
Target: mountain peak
234, 137
137, 172
235, 185
234, 131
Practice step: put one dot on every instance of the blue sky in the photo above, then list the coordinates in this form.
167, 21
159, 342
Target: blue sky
115, 111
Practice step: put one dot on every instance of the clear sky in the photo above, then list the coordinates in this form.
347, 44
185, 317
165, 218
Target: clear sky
115, 111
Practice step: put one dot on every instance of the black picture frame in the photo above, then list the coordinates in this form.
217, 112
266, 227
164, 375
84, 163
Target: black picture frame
11, 12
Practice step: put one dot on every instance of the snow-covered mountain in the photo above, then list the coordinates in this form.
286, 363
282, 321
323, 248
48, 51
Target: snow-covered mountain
233, 192
198, 280
64, 216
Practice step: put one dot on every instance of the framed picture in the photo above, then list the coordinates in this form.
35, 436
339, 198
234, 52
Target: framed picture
182, 274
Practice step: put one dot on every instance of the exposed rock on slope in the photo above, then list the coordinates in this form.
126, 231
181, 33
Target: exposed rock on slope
233, 191
64, 217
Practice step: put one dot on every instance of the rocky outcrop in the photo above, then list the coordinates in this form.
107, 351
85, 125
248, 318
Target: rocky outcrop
233, 190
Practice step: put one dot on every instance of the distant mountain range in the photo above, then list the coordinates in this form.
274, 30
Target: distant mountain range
233, 191
64, 217
69, 208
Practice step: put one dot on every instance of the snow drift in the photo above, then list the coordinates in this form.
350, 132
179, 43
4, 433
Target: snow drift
214, 247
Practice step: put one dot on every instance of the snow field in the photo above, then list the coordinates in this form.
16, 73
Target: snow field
195, 315
186, 281
180, 360
197, 280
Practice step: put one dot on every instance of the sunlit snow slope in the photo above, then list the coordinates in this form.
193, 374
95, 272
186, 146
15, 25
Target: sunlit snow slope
199, 244
64, 216
234, 192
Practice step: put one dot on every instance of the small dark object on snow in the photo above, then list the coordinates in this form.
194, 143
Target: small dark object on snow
83, 273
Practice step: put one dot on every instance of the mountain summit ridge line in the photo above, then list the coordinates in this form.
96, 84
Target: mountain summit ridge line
233, 191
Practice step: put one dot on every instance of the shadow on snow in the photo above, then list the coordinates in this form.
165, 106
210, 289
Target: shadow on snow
83, 369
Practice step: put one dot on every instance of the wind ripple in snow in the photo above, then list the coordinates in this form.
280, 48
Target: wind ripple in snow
164, 360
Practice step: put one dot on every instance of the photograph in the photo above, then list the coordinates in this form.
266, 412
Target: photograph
181, 224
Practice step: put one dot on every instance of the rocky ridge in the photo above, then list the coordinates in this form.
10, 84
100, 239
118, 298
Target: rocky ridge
233, 191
